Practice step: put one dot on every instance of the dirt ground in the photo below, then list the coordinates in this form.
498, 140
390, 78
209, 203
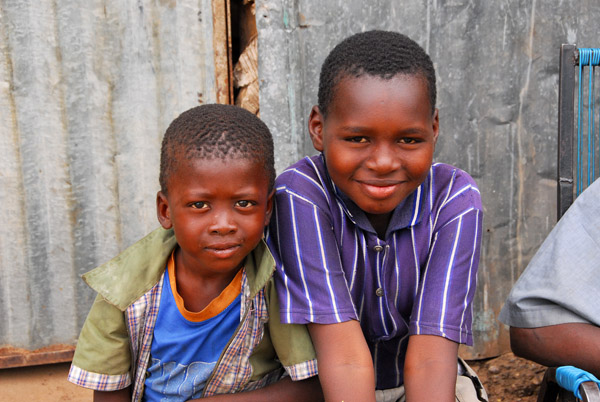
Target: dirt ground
506, 378
509, 378
46, 383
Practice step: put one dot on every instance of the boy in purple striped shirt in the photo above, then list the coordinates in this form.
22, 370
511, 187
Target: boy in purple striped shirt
378, 248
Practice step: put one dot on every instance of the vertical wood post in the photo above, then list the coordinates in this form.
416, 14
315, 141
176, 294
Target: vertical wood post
566, 115
222, 48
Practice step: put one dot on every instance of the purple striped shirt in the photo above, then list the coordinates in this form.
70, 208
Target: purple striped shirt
420, 279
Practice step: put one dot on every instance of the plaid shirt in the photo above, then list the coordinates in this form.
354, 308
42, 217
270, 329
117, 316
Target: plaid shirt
232, 372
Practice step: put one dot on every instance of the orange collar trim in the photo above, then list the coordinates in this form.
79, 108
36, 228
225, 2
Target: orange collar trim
216, 306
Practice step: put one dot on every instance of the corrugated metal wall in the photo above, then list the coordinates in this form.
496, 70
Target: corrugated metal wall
87, 88
497, 64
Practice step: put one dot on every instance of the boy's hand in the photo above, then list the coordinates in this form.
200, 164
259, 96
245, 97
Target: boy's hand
345, 363
430, 360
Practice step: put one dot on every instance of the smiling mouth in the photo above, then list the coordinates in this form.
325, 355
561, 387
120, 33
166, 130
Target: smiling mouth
380, 189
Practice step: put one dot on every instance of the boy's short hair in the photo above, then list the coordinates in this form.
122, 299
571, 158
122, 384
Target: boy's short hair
383, 54
216, 131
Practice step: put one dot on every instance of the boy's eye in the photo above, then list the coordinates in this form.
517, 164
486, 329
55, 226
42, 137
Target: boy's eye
356, 139
244, 203
408, 141
199, 205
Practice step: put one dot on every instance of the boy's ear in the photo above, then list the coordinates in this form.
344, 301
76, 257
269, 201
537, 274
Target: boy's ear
270, 199
436, 125
315, 128
162, 210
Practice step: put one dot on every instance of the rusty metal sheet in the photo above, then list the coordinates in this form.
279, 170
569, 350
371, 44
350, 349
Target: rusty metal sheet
15, 357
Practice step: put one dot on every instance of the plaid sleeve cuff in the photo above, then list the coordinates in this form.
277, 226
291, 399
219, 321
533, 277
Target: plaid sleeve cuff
302, 371
98, 382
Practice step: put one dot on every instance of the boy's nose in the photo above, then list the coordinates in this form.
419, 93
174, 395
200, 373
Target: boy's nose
384, 159
223, 224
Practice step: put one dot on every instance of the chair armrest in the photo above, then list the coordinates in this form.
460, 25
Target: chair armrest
550, 389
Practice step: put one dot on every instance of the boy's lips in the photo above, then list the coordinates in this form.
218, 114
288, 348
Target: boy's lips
379, 189
223, 250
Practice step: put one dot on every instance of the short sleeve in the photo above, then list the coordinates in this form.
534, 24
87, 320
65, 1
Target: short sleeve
102, 357
292, 343
562, 281
310, 279
443, 305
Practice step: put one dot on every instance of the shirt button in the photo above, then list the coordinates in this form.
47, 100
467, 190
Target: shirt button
378, 248
379, 292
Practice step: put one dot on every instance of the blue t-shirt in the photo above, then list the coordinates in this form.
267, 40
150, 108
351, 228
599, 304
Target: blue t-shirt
184, 353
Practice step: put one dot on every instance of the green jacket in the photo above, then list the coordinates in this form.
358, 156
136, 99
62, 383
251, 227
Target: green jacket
113, 349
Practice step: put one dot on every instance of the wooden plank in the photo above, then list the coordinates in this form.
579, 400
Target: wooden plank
566, 115
222, 50
17, 357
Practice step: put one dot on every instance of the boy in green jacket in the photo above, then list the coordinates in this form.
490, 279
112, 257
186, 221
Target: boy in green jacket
186, 312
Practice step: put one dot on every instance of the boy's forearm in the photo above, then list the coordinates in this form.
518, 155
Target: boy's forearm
347, 383
122, 395
345, 364
430, 369
285, 390
574, 344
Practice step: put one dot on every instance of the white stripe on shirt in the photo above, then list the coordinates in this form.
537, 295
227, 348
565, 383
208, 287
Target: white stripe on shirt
448, 272
325, 267
462, 317
299, 261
